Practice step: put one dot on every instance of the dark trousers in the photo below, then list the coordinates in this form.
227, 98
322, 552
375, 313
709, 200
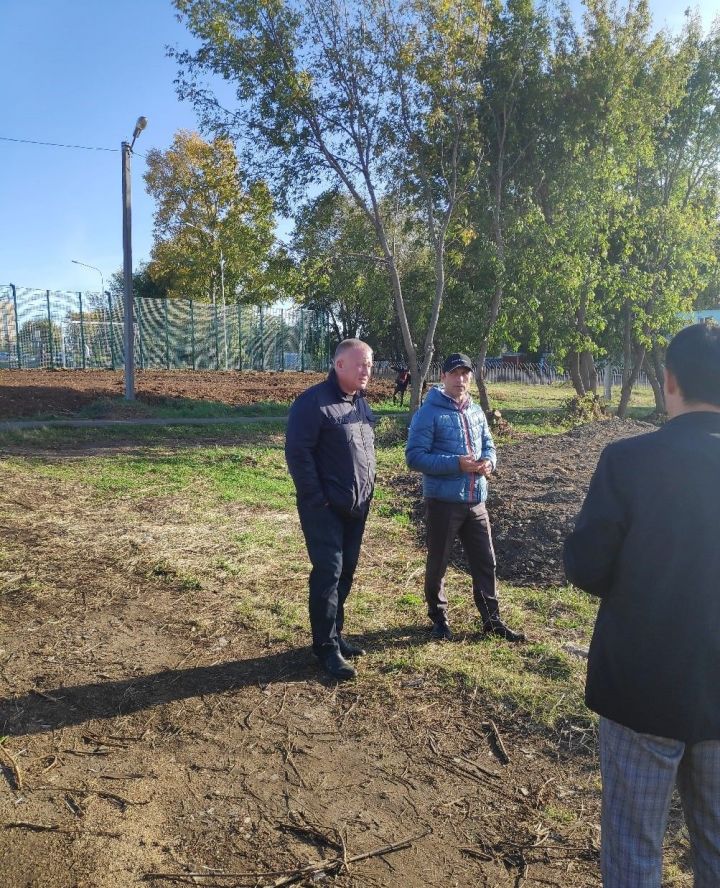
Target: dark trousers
333, 544
445, 522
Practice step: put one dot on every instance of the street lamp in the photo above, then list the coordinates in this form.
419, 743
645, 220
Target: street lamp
94, 268
128, 332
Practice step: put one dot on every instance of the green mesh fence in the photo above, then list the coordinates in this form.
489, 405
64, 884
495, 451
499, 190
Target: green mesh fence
47, 329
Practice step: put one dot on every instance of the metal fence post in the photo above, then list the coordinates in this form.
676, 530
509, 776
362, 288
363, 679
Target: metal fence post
112, 331
240, 363
192, 333
82, 333
302, 342
262, 341
141, 336
282, 340
17, 327
50, 336
217, 342
167, 336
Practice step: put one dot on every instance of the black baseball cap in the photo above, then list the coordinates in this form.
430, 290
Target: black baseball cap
456, 360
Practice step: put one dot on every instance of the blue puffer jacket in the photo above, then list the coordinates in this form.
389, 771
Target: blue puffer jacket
440, 433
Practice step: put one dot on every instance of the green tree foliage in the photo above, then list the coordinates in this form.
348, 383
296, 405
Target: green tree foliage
342, 271
213, 232
358, 96
552, 183
144, 285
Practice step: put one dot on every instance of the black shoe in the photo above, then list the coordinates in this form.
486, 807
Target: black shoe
336, 665
441, 631
350, 650
497, 627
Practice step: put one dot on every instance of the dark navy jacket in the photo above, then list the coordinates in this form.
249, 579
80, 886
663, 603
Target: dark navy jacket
330, 449
647, 543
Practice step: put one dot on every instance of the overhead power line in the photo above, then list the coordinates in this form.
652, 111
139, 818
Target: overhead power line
57, 144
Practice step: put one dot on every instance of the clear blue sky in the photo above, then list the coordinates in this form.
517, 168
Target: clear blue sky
80, 72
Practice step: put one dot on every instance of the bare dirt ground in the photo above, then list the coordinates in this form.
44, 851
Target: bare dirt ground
535, 495
26, 393
152, 737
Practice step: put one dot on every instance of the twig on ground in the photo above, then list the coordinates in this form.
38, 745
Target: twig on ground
42, 827
541, 790
99, 741
498, 741
347, 712
39, 693
287, 877
481, 768
110, 796
13, 765
478, 852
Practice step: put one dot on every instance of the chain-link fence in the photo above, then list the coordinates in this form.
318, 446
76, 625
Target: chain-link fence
50, 329
502, 370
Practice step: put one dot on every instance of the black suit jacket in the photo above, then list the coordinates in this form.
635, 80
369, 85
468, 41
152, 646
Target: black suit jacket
647, 541
330, 448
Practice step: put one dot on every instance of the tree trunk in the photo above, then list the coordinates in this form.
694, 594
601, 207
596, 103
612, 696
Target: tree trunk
409, 345
629, 380
649, 368
627, 345
588, 372
608, 381
499, 240
575, 374
657, 357
482, 389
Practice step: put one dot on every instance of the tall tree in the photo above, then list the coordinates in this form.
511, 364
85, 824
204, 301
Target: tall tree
321, 83
610, 89
509, 114
213, 231
673, 244
342, 271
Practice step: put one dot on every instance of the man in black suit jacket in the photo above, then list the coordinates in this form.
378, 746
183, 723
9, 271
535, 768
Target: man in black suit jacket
647, 543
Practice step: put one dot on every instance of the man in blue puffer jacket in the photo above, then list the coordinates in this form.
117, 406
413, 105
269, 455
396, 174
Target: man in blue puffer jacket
450, 443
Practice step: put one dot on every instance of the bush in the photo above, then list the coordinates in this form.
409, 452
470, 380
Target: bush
586, 409
390, 431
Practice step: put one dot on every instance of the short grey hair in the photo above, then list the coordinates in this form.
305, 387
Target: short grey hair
347, 344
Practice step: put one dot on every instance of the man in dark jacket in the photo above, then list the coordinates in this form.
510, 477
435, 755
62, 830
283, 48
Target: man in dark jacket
646, 542
450, 443
330, 451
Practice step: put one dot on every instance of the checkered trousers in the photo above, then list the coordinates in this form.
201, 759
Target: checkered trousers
639, 773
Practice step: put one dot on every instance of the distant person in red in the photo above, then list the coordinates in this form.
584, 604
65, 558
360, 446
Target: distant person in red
402, 381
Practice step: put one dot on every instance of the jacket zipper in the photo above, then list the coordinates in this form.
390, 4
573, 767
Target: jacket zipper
468, 443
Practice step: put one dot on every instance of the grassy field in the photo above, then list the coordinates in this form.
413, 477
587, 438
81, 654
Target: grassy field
215, 467
243, 467
140, 556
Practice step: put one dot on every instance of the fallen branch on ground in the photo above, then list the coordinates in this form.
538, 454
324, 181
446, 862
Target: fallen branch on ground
499, 742
287, 877
13, 765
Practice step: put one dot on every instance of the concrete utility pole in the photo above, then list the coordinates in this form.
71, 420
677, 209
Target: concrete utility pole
129, 326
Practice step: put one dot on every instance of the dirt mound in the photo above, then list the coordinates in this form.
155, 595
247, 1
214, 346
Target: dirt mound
535, 496
26, 393
537, 492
